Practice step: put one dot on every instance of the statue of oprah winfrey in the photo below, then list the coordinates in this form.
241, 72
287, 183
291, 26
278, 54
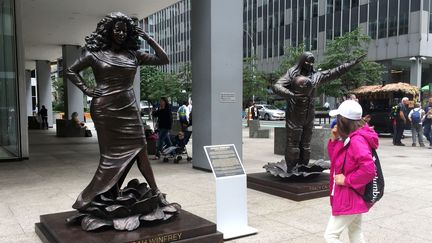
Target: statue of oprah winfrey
112, 52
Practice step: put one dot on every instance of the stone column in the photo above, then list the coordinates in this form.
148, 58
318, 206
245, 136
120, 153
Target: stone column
29, 92
217, 75
416, 72
44, 84
74, 97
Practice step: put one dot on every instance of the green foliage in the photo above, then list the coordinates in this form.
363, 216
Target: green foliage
58, 93
344, 49
156, 84
254, 82
184, 77
88, 77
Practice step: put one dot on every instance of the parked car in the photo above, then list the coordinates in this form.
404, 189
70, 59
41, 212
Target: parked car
270, 112
146, 108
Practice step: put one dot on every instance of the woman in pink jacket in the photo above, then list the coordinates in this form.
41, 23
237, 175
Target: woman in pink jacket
350, 152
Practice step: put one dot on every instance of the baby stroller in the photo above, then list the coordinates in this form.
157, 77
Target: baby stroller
177, 150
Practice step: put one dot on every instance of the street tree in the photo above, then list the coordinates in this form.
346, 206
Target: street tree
254, 83
344, 49
156, 84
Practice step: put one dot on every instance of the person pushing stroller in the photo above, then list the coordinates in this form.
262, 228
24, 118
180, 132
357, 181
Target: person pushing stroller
177, 149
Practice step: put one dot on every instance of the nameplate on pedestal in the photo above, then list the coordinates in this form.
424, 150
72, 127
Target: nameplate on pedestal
161, 238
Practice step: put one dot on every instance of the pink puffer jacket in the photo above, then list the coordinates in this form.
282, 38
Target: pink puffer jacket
359, 170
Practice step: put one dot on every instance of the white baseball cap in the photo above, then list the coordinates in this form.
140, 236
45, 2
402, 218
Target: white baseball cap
349, 109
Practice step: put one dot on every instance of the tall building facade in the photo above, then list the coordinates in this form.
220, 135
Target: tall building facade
400, 31
171, 28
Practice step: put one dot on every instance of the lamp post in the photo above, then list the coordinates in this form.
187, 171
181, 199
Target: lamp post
416, 71
253, 59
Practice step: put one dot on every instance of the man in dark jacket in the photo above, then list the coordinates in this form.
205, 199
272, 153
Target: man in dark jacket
164, 124
44, 115
401, 121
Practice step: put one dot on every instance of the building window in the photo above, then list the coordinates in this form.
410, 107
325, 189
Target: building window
354, 3
338, 5
403, 17
392, 31
373, 8
9, 111
337, 24
329, 7
346, 4
373, 29
430, 19
382, 20
329, 26
430, 22
315, 8
354, 18
345, 21
415, 5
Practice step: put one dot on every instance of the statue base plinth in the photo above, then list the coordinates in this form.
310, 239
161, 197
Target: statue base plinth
186, 227
297, 189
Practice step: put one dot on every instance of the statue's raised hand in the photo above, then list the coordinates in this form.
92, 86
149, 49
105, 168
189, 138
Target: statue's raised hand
360, 58
142, 33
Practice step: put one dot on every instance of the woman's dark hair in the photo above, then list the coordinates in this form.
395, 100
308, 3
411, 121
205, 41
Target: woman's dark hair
101, 38
346, 126
165, 99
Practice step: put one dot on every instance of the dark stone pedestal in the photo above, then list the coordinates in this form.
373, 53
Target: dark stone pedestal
186, 227
297, 189
320, 137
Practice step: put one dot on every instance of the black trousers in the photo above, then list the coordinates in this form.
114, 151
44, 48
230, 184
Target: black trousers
400, 127
44, 122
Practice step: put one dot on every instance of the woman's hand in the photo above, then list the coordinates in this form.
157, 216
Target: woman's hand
93, 92
340, 179
334, 133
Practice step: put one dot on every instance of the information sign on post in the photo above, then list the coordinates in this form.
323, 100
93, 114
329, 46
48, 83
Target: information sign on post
231, 191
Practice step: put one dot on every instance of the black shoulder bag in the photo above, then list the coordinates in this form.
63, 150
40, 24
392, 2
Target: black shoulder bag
374, 190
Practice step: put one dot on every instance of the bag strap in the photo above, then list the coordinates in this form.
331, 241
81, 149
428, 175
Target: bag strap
343, 165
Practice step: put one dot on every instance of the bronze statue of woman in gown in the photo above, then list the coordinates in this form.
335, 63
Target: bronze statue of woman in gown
299, 86
112, 52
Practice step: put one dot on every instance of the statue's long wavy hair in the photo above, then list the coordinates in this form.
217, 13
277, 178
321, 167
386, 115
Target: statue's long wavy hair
101, 38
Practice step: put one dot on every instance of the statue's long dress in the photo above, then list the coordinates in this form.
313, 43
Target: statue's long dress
116, 117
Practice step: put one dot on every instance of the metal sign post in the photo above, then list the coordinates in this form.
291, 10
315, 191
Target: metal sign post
231, 194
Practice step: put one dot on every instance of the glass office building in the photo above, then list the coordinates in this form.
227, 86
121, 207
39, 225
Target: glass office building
9, 109
399, 30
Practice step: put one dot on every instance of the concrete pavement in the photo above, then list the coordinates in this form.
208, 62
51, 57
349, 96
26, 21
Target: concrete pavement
59, 168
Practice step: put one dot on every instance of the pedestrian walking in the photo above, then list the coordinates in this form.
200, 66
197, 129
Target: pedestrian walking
416, 117
185, 120
427, 122
255, 112
401, 121
44, 116
164, 125
352, 167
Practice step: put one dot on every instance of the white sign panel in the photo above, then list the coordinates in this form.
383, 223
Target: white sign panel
231, 192
224, 160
